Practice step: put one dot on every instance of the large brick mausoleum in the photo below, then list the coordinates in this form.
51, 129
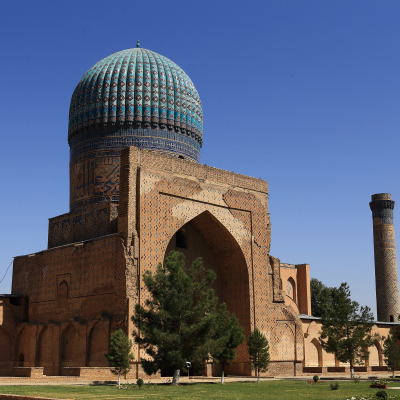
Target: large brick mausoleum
138, 191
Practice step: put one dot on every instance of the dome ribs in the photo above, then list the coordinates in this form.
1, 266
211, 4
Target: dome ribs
130, 93
154, 87
146, 109
138, 90
121, 92
138, 86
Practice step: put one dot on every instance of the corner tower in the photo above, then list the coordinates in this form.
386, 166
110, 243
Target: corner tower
387, 286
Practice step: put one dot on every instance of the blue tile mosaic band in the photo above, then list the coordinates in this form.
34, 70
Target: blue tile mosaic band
118, 138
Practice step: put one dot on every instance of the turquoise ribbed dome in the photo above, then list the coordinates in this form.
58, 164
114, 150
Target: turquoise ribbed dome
137, 90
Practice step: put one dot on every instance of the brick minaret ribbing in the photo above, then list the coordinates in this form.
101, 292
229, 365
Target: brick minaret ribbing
387, 286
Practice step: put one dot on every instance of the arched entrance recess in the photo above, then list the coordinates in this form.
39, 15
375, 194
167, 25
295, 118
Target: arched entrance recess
97, 346
206, 237
69, 347
5, 352
44, 350
23, 345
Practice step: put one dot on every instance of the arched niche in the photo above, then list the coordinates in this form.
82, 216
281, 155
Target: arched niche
5, 351
62, 294
206, 237
375, 355
44, 350
97, 346
69, 354
22, 346
291, 289
314, 354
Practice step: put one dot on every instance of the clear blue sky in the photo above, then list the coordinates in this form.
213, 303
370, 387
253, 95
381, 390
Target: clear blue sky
304, 94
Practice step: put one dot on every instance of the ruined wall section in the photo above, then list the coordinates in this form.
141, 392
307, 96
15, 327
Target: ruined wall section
83, 224
76, 282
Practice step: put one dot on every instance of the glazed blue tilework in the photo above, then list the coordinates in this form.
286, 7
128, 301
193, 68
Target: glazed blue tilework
136, 86
166, 141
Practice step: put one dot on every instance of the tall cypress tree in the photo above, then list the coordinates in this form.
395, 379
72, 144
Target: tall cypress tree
227, 335
258, 347
119, 354
391, 351
175, 325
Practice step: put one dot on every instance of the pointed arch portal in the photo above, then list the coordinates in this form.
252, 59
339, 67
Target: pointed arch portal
206, 237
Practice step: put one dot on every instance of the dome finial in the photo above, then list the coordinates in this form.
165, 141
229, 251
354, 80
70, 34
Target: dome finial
138, 43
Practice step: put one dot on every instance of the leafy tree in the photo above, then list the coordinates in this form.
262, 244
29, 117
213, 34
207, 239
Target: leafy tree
321, 297
176, 323
227, 336
258, 347
119, 354
391, 351
346, 328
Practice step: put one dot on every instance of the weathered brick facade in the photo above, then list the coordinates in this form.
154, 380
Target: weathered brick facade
74, 295
129, 207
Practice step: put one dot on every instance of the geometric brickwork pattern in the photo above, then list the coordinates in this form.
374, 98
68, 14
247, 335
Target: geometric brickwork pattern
73, 296
83, 224
94, 179
226, 216
387, 287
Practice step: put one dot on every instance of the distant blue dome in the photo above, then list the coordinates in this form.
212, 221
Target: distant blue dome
138, 98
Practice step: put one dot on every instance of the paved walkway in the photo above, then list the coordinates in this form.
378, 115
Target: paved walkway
71, 380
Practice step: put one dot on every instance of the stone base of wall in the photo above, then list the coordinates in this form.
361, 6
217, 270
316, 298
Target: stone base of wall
28, 372
104, 373
284, 368
343, 370
6, 371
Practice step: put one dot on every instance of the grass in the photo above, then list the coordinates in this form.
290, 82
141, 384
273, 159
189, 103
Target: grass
282, 389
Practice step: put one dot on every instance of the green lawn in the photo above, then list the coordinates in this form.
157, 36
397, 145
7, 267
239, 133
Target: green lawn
288, 390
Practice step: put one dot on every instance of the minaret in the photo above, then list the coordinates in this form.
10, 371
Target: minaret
387, 285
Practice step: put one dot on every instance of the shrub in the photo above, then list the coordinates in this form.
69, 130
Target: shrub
381, 394
315, 378
140, 382
334, 385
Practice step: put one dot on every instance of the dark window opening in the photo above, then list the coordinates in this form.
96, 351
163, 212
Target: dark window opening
21, 360
391, 319
181, 241
181, 157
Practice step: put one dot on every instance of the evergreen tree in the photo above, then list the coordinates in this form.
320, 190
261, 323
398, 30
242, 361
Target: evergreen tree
346, 328
391, 351
321, 297
176, 323
119, 354
227, 336
258, 347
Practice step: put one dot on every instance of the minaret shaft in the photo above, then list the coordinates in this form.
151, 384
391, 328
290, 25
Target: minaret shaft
387, 286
